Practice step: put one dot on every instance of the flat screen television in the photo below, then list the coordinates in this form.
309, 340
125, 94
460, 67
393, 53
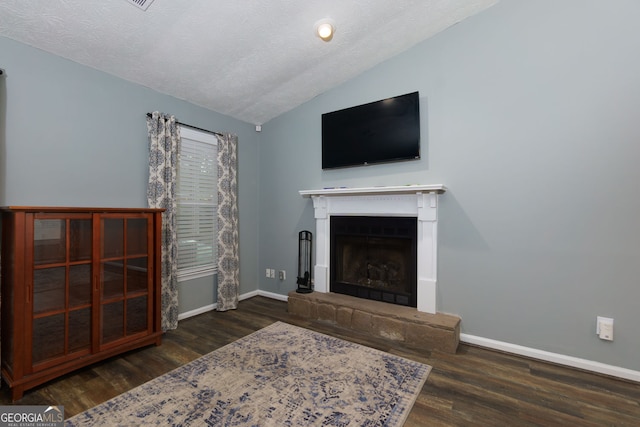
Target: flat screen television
378, 132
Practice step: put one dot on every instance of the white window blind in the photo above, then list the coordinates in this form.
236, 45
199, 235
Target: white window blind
197, 200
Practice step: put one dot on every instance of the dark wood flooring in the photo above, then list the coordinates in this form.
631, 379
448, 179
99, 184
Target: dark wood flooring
473, 387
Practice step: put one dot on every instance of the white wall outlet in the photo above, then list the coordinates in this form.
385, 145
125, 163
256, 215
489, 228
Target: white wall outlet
267, 273
604, 328
272, 273
282, 275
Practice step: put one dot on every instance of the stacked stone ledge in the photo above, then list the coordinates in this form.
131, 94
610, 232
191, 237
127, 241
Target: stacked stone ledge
415, 329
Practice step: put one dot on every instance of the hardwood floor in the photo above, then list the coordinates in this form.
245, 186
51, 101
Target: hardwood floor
475, 386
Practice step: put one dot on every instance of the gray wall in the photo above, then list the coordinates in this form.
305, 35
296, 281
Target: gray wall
530, 118
74, 136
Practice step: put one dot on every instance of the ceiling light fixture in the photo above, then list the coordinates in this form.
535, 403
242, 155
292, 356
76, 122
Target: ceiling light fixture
325, 29
142, 4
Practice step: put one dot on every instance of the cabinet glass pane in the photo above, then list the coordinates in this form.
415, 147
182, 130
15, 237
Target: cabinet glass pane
112, 321
137, 275
136, 315
48, 337
80, 231
79, 329
49, 289
49, 237
112, 238
79, 285
136, 236
112, 274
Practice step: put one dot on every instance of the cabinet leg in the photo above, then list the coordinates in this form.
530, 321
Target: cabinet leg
16, 393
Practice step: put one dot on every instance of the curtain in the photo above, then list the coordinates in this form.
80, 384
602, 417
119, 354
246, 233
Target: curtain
164, 143
228, 259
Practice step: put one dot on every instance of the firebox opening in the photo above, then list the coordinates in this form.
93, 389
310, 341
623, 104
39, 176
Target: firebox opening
374, 258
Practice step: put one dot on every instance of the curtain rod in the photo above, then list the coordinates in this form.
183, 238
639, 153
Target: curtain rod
193, 127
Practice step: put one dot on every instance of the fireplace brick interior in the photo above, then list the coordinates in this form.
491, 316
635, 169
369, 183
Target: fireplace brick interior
374, 258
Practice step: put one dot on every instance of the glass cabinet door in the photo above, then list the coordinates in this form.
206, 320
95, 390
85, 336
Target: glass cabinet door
124, 275
61, 267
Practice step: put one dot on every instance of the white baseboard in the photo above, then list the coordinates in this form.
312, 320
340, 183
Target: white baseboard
272, 295
197, 311
547, 356
248, 295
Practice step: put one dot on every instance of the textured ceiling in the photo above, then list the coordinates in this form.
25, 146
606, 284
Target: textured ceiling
248, 59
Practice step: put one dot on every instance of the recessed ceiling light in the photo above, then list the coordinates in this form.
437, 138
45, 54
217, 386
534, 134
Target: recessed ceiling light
325, 28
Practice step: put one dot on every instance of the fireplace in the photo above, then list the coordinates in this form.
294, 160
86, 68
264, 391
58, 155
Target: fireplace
374, 258
419, 202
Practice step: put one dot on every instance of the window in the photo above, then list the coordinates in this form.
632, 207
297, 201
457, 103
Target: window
197, 200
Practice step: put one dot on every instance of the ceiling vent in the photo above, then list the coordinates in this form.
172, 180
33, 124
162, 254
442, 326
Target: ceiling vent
142, 4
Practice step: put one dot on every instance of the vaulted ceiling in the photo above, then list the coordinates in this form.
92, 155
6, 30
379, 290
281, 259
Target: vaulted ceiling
248, 59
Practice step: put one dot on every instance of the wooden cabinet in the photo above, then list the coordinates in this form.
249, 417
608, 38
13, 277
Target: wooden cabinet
78, 285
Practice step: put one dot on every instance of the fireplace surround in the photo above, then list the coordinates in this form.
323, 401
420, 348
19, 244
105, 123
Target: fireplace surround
418, 201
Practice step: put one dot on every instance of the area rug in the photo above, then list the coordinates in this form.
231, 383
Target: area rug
281, 375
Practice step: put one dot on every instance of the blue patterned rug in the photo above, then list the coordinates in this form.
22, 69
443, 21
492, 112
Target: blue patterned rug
281, 375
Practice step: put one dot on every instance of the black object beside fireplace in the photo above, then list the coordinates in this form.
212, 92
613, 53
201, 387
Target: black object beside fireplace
304, 262
374, 258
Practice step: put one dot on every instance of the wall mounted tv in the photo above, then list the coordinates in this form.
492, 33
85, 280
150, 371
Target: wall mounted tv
378, 132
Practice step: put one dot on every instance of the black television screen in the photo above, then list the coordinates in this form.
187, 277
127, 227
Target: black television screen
378, 132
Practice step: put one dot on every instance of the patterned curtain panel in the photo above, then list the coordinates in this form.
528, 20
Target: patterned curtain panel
164, 142
228, 260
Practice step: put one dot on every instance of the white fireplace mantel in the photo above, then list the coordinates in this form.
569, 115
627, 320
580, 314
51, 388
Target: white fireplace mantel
420, 201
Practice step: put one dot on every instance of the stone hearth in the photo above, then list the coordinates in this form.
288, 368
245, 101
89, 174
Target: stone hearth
394, 322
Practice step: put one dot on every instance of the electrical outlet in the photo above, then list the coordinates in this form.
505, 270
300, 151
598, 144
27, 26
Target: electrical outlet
272, 273
604, 328
267, 273
282, 275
